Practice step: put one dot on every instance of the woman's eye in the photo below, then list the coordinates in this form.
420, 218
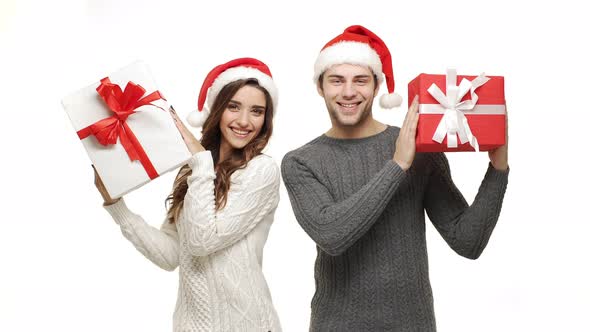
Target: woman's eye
258, 111
232, 107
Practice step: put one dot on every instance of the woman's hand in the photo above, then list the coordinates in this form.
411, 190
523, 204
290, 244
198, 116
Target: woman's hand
102, 190
191, 142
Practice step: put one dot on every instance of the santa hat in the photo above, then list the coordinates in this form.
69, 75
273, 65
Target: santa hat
357, 45
222, 75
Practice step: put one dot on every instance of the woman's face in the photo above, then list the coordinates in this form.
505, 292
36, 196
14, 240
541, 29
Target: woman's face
242, 119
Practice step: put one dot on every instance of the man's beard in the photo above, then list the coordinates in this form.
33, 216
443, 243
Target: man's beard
364, 114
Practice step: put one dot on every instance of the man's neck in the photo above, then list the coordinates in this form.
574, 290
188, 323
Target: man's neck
368, 128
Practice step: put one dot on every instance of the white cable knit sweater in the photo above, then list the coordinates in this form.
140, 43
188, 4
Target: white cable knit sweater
221, 286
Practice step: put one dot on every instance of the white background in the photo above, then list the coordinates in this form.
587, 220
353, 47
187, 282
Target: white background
66, 266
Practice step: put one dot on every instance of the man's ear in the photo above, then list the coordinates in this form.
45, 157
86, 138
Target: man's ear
377, 85
318, 86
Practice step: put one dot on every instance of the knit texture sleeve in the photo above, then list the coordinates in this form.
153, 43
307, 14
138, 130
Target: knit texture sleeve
158, 245
336, 225
253, 195
466, 229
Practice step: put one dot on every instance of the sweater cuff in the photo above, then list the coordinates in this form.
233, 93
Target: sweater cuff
395, 170
500, 174
497, 177
202, 163
120, 213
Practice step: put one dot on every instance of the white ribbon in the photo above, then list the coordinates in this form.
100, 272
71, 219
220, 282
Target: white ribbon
454, 122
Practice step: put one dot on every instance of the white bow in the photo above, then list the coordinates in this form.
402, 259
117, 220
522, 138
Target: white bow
454, 122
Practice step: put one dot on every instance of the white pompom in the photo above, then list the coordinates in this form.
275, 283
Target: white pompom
390, 100
196, 118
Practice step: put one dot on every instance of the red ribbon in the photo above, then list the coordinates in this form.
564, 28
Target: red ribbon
123, 104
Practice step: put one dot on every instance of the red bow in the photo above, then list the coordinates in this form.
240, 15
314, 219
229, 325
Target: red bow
123, 104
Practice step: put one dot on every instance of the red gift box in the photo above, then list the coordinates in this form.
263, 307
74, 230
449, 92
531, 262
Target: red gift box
459, 113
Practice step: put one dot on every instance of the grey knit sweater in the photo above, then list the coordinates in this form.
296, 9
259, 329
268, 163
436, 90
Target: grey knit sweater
366, 216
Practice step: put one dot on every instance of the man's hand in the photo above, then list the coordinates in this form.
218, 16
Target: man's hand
499, 156
405, 145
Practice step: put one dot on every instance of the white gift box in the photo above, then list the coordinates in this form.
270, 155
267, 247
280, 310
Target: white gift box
152, 126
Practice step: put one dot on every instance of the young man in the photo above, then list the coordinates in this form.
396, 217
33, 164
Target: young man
360, 191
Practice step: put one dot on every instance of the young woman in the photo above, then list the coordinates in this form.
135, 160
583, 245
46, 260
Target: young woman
221, 207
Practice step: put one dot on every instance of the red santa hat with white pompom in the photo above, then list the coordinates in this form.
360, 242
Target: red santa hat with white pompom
222, 75
357, 45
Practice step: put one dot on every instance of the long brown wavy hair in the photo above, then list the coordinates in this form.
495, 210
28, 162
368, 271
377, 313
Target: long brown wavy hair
211, 140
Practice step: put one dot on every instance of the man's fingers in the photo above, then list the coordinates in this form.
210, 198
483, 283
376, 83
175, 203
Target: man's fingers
506, 125
414, 101
415, 104
414, 116
406, 119
408, 128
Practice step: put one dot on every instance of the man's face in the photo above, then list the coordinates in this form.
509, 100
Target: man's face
348, 91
